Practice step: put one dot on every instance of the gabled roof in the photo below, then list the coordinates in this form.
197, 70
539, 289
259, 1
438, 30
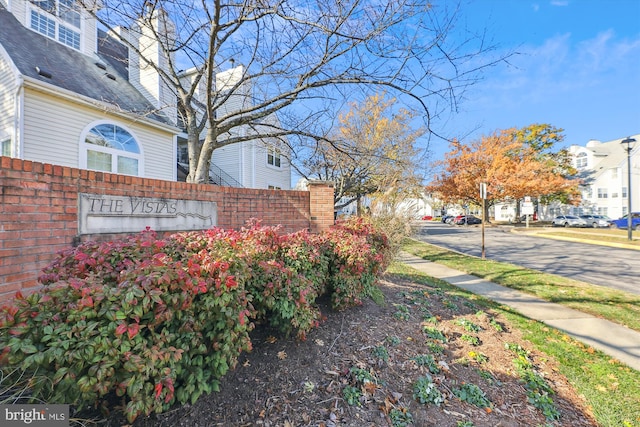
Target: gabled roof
609, 155
38, 57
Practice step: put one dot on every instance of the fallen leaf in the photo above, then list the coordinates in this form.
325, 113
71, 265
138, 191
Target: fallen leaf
386, 408
370, 388
271, 339
246, 364
601, 388
282, 355
319, 342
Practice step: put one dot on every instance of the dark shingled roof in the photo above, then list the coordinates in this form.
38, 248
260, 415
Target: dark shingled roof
72, 70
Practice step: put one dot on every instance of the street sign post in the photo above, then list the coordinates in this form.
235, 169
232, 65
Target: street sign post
483, 196
527, 209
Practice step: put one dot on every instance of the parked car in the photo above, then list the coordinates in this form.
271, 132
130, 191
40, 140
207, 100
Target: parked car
568, 221
427, 218
467, 219
596, 221
622, 222
448, 218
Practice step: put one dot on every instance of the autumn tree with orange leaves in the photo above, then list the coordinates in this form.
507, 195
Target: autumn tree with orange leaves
513, 164
373, 152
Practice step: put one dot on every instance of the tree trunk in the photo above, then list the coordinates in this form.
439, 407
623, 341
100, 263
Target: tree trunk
518, 210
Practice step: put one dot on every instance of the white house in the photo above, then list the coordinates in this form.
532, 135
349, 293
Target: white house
73, 95
255, 163
603, 167
64, 102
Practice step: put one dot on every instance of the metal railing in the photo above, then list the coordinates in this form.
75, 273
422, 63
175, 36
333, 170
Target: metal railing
216, 176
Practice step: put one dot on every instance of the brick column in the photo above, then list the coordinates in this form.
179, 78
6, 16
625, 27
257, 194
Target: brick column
321, 205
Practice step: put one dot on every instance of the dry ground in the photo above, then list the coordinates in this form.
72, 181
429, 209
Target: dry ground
376, 350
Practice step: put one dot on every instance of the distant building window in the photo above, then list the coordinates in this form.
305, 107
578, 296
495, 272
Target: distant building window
274, 187
624, 211
614, 173
581, 161
625, 194
602, 193
111, 148
61, 21
5, 147
273, 157
183, 154
614, 195
603, 211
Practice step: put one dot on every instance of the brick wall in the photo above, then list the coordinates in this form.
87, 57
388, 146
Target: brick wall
39, 213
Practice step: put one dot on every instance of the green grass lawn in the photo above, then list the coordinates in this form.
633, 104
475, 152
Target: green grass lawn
596, 235
609, 388
614, 305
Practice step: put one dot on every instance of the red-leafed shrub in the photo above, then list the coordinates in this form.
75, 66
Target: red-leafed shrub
358, 254
288, 273
159, 321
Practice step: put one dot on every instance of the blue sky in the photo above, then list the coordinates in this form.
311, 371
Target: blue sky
577, 68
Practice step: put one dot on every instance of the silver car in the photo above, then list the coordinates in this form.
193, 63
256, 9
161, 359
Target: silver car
596, 220
568, 221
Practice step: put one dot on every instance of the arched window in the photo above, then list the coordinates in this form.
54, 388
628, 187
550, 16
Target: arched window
110, 148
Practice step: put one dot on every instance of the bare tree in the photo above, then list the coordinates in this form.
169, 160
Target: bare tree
301, 59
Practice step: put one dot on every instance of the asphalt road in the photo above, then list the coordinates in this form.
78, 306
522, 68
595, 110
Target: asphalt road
599, 265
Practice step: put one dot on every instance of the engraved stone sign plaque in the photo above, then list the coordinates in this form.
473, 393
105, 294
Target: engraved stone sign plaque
100, 213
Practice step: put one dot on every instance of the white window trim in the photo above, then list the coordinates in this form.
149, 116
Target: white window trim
84, 147
276, 153
5, 138
58, 22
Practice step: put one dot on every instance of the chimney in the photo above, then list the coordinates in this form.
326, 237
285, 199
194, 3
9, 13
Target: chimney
144, 77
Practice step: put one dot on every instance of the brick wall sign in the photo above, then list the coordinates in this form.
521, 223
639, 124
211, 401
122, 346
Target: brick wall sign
99, 213
46, 208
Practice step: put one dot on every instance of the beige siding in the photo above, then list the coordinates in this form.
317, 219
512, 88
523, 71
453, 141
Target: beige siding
53, 126
228, 159
7, 98
89, 43
267, 175
246, 162
19, 10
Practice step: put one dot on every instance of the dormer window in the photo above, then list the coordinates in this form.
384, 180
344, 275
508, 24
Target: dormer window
57, 19
581, 161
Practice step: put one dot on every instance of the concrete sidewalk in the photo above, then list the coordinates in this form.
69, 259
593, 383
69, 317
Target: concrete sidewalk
613, 339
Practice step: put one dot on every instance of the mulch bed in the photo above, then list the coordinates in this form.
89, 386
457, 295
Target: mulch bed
284, 382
